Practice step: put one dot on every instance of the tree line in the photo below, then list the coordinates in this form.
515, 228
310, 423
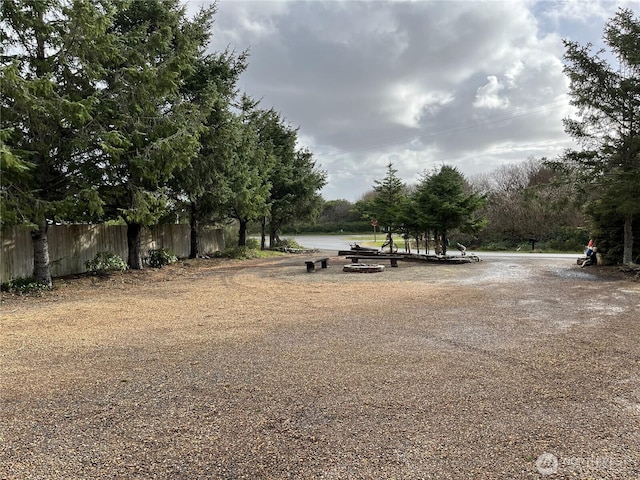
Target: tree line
590, 190
509, 208
113, 110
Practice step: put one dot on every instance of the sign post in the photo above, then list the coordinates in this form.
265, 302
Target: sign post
374, 223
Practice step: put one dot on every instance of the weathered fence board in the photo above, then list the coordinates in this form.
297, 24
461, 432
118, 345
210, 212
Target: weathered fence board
70, 246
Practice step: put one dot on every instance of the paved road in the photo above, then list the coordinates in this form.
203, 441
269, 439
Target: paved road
337, 242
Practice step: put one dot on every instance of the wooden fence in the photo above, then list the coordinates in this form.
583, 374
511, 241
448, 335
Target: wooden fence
70, 246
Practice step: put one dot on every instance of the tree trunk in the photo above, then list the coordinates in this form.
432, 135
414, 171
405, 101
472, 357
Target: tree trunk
194, 250
273, 236
437, 243
242, 233
41, 266
263, 233
627, 253
444, 242
133, 242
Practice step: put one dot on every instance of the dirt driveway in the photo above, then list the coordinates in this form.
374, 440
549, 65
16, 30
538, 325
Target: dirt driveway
504, 369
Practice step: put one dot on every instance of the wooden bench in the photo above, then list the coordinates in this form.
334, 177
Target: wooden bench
373, 258
311, 264
342, 253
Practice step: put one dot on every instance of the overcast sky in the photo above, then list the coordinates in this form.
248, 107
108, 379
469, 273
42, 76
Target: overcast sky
471, 84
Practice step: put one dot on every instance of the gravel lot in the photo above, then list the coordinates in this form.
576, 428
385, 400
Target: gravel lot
514, 368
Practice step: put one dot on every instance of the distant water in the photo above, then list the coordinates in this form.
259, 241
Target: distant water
322, 242
339, 242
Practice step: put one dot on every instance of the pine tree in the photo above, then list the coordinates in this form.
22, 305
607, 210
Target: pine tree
50, 77
148, 129
387, 205
608, 127
443, 203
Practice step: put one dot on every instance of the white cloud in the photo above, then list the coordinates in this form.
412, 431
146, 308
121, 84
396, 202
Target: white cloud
475, 84
579, 10
406, 103
488, 96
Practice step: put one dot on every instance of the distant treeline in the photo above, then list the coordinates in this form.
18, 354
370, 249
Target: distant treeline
526, 205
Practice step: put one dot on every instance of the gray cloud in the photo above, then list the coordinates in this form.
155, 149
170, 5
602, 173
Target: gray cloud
472, 84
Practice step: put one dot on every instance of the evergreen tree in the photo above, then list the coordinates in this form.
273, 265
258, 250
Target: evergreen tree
294, 178
245, 174
443, 203
388, 205
608, 127
201, 187
148, 129
295, 196
52, 64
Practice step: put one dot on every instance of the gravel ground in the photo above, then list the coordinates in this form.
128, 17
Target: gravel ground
504, 369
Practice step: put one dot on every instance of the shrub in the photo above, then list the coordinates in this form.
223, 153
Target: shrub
160, 257
241, 253
22, 286
105, 262
287, 243
252, 243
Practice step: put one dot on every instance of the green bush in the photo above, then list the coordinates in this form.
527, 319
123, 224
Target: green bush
241, 253
105, 262
160, 257
287, 243
22, 286
252, 243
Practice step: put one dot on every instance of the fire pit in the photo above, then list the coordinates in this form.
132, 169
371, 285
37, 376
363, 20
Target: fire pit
363, 268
